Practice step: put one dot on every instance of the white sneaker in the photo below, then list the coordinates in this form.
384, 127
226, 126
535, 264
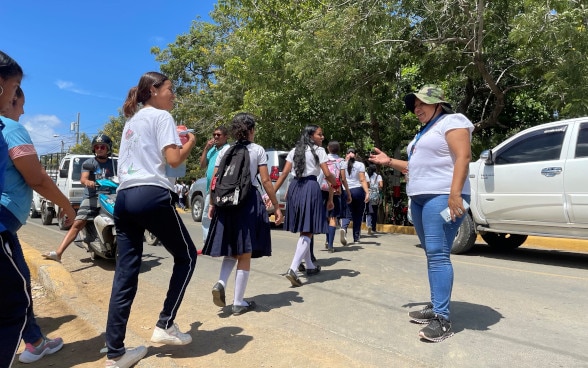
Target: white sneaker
343, 236
171, 336
130, 357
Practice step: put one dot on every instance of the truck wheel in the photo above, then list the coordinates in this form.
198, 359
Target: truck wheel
33, 213
151, 239
46, 215
197, 208
503, 241
465, 238
61, 223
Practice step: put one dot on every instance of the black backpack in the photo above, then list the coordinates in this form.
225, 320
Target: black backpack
232, 181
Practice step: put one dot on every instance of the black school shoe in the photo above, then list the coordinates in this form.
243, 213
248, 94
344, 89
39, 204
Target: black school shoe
218, 295
313, 271
294, 280
437, 330
240, 309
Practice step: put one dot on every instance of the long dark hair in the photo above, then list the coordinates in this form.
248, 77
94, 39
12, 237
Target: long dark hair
351, 160
299, 151
142, 92
8, 67
241, 125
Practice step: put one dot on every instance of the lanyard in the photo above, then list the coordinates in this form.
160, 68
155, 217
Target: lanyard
422, 132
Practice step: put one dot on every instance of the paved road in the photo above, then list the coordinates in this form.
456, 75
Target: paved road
525, 308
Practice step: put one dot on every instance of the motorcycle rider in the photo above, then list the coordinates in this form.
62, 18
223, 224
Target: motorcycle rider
89, 208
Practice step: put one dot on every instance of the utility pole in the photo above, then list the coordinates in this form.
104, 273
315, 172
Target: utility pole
75, 127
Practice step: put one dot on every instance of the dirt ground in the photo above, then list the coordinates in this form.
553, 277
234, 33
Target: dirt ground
225, 346
57, 320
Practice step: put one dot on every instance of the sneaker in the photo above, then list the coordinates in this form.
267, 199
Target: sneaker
240, 309
48, 346
218, 295
331, 250
424, 315
130, 357
437, 330
370, 232
313, 271
171, 336
343, 237
291, 275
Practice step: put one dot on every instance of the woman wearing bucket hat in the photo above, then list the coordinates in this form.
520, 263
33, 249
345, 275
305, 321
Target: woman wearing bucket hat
436, 171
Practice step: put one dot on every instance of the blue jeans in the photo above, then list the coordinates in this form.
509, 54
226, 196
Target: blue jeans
205, 220
436, 237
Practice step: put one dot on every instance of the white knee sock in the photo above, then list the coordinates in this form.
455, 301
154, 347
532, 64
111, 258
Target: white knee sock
241, 278
302, 248
226, 269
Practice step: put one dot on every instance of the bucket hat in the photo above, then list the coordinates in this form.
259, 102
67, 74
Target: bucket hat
429, 94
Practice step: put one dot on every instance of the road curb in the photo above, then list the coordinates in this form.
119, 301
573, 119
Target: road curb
60, 284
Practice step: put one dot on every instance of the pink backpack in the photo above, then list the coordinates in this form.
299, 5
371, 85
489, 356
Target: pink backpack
333, 166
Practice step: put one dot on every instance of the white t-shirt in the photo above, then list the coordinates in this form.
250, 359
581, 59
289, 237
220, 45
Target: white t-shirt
332, 157
141, 159
311, 168
430, 169
353, 178
375, 180
257, 157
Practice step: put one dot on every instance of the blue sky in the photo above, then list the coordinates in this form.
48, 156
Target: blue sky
83, 57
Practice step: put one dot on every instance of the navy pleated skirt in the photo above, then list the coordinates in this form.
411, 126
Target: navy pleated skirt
239, 230
305, 211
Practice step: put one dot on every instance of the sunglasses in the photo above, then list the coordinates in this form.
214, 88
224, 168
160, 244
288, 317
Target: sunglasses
101, 146
216, 135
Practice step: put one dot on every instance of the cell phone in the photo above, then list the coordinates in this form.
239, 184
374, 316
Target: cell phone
446, 215
183, 132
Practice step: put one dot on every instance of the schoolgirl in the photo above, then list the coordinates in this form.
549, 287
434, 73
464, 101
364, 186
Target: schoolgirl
241, 233
305, 212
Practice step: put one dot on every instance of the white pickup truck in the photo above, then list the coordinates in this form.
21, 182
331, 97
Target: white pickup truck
534, 183
66, 169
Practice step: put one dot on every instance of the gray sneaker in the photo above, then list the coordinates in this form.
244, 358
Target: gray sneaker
48, 346
424, 315
437, 330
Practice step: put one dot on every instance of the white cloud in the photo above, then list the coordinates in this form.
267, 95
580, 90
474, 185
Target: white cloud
43, 129
71, 87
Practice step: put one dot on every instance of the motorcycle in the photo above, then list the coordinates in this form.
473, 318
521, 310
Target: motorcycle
98, 237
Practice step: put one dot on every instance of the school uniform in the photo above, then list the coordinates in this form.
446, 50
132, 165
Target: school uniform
305, 212
246, 228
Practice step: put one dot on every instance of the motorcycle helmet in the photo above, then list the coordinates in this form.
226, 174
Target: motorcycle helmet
102, 139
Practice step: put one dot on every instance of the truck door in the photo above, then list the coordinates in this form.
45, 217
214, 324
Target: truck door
575, 177
524, 186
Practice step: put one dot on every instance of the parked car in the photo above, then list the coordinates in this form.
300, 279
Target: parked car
275, 164
534, 183
196, 198
36, 204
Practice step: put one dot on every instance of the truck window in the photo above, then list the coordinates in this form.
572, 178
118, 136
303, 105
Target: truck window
582, 144
541, 145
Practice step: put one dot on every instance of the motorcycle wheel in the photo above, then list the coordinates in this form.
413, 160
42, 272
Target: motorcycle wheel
151, 239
